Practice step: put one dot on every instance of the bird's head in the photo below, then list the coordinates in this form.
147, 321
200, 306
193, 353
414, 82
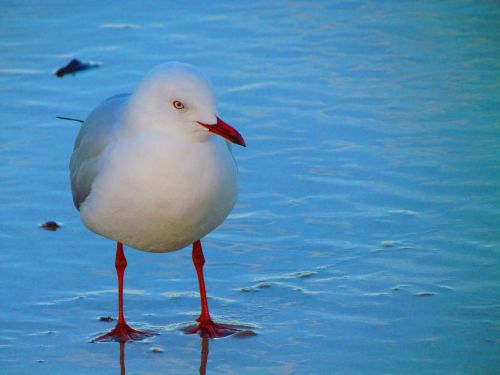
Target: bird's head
177, 97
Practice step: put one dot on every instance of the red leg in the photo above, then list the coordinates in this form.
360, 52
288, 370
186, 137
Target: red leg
199, 262
206, 327
122, 332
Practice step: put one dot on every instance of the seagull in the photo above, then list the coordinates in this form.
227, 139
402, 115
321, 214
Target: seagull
153, 170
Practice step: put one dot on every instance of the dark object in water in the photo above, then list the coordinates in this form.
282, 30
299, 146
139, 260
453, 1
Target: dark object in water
50, 225
75, 66
156, 349
244, 334
424, 294
105, 319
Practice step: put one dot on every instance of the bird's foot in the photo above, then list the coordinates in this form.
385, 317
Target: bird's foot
206, 328
123, 333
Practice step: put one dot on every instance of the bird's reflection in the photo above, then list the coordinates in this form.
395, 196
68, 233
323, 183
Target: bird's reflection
122, 358
203, 357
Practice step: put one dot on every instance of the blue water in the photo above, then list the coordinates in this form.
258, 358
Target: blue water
366, 236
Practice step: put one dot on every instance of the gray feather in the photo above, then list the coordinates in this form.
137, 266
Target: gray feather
95, 135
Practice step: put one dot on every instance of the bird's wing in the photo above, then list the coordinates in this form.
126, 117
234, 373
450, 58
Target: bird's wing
95, 135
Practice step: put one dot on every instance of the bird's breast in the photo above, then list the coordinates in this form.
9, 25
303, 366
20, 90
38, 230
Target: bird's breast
155, 193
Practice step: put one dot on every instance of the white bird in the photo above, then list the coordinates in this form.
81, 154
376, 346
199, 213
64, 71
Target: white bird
151, 170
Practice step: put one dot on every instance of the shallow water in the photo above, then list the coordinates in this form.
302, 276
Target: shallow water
365, 239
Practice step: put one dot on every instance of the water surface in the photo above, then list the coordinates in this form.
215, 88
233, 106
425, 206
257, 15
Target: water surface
365, 239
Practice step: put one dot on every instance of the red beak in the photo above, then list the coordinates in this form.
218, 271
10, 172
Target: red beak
225, 131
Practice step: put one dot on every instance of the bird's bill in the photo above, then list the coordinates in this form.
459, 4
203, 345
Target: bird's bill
226, 131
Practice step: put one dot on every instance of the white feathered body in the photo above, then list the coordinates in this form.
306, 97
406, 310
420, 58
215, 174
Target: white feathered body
152, 190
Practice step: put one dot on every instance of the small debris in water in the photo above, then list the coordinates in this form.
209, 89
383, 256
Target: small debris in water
244, 334
75, 66
263, 285
305, 274
156, 349
256, 287
389, 243
397, 288
51, 225
105, 319
40, 360
424, 294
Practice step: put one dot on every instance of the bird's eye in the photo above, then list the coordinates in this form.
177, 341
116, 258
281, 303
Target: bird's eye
178, 105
